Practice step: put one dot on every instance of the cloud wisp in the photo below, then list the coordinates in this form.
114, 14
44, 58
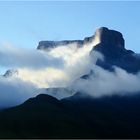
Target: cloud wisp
23, 58
103, 82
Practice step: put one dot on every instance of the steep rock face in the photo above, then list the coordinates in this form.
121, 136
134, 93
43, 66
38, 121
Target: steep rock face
110, 43
110, 37
112, 46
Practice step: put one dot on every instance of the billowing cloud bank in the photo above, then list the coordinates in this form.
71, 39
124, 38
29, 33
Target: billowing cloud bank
60, 67
37, 69
55, 68
103, 82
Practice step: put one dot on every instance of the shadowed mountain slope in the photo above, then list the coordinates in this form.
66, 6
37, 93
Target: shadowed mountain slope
74, 117
112, 46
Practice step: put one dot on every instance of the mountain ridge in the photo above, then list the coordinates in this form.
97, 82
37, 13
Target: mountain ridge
109, 43
106, 117
79, 115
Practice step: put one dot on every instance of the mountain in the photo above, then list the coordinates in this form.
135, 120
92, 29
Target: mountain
79, 115
109, 43
10, 73
112, 46
73, 117
40, 117
59, 92
48, 45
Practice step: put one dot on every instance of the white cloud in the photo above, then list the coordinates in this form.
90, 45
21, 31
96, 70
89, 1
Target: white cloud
37, 69
60, 67
40, 70
103, 82
77, 62
23, 58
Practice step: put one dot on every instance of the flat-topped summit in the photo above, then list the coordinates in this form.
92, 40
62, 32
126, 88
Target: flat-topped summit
47, 45
112, 47
109, 43
103, 35
110, 37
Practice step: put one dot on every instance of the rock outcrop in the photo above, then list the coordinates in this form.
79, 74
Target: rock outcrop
108, 42
110, 37
48, 45
112, 46
10, 73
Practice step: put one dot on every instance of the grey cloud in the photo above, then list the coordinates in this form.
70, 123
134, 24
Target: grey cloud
13, 91
103, 82
76, 63
15, 57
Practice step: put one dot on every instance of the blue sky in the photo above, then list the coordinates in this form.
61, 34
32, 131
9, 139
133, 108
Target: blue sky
24, 24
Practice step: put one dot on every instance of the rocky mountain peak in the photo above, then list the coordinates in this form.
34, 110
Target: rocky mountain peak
109, 37
112, 47
11, 73
111, 44
103, 35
